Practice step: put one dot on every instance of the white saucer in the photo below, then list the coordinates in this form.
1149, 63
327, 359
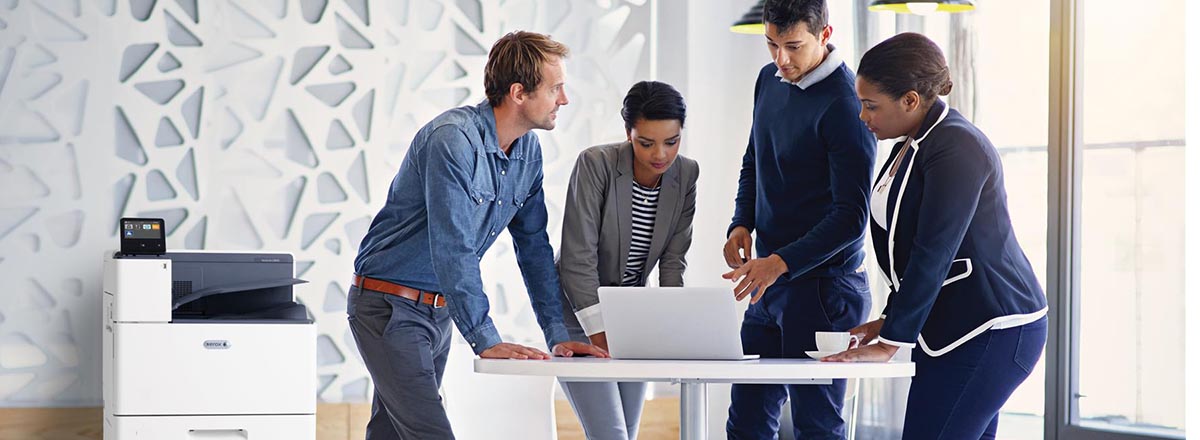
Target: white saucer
817, 354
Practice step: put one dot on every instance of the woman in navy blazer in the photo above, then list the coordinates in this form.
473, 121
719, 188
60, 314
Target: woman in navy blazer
960, 285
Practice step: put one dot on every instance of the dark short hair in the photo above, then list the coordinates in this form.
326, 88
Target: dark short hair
517, 57
652, 101
905, 62
786, 13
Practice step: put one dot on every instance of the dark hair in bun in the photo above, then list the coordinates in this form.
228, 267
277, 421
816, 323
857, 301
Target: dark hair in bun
905, 62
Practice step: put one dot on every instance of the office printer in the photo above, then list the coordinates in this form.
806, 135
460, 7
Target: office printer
206, 345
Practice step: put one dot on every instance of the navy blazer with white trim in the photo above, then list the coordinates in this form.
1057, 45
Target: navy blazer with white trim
949, 253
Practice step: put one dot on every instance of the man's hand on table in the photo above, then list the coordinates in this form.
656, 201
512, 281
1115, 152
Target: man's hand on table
505, 350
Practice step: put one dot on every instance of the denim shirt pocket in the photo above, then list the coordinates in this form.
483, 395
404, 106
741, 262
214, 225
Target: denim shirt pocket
481, 197
482, 188
520, 195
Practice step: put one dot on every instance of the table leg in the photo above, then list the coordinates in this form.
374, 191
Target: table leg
693, 411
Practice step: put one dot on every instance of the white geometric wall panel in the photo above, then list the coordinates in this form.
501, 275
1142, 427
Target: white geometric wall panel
251, 125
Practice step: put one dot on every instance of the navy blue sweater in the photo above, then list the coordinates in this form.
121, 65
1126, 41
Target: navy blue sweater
806, 175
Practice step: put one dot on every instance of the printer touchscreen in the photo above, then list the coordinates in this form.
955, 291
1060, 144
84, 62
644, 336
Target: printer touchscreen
143, 236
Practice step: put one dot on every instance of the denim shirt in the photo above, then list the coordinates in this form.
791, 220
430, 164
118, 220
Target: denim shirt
455, 191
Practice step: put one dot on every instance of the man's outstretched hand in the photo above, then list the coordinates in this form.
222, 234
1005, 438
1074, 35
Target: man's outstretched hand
505, 350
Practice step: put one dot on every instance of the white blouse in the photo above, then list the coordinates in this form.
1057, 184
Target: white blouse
879, 199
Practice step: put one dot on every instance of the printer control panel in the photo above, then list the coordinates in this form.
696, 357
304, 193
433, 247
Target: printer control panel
143, 236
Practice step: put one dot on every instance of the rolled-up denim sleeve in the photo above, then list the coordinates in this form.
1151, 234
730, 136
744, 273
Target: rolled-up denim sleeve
448, 164
535, 257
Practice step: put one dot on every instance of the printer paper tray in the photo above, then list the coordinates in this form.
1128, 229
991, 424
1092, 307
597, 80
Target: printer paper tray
260, 427
226, 368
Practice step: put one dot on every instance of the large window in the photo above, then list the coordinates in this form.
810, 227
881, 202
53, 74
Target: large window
1131, 294
1010, 61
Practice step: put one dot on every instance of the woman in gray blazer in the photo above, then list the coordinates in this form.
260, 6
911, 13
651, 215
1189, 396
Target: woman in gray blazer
629, 207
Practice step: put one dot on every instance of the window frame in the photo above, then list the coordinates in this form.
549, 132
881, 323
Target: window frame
1065, 148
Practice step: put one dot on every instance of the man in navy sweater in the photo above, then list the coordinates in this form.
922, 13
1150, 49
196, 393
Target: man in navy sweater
804, 188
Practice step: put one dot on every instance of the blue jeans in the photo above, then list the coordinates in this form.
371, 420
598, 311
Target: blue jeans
958, 395
606, 410
404, 346
783, 325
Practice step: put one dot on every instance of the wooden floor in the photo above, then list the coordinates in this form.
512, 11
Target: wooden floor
660, 420
50, 423
335, 421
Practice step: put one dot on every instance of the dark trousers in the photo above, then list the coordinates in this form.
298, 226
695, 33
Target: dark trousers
404, 346
783, 324
958, 395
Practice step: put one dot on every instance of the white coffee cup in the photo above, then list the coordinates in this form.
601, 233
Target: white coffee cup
836, 341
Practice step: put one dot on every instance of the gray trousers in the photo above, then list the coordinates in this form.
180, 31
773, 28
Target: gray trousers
404, 346
607, 410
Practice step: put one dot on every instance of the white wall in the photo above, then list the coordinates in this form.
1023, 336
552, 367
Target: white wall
201, 112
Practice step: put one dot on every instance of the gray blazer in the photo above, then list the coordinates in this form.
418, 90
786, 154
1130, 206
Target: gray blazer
597, 222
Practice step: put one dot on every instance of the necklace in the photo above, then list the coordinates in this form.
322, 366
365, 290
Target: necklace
652, 187
900, 157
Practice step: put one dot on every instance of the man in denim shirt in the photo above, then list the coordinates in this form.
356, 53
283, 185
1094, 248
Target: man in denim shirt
469, 173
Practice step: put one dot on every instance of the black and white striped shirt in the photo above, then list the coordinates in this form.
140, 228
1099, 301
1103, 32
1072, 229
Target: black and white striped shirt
645, 208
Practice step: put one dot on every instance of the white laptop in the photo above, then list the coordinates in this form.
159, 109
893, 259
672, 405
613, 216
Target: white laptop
672, 323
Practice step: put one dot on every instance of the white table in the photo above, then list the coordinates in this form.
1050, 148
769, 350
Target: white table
694, 376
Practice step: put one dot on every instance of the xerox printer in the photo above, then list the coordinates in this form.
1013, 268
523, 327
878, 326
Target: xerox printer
206, 345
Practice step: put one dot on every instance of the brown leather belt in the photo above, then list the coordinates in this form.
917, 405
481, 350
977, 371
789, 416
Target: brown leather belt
428, 298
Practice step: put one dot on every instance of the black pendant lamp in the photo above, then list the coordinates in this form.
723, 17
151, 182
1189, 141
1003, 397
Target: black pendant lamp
922, 7
751, 22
